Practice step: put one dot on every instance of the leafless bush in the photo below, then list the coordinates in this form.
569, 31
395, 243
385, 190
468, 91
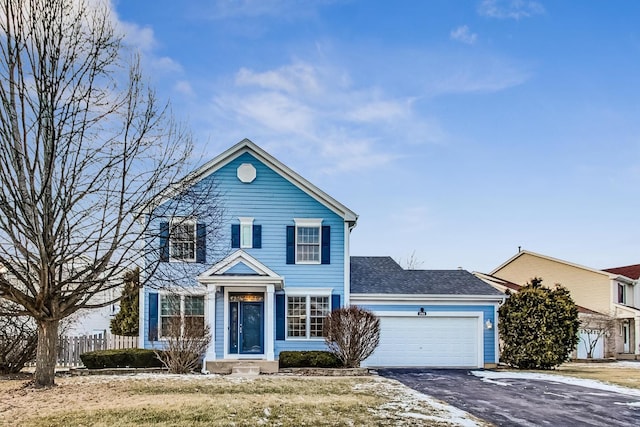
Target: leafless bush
352, 334
18, 343
186, 344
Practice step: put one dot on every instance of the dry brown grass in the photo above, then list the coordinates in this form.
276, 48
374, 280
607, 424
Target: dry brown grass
607, 372
162, 400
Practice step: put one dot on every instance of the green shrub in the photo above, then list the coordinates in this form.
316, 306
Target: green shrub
308, 359
123, 358
538, 327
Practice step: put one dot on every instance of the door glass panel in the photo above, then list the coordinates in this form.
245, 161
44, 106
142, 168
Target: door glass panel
251, 327
233, 327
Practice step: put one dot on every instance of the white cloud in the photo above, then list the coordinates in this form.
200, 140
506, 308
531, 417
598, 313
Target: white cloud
297, 77
510, 9
379, 110
183, 87
462, 34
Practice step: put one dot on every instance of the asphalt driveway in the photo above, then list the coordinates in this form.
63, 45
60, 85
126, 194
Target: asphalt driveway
522, 402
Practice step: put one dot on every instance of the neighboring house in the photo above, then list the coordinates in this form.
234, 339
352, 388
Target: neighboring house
281, 263
601, 291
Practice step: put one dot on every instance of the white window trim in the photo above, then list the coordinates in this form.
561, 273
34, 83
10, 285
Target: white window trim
183, 220
246, 222
182, 310
307, 293
312, 223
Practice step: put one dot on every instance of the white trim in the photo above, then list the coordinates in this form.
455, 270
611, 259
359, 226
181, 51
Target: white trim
183, 220
247, 146
210, 318
264, 275
347, 265
407, 299
548, 258
308, 223
246, 222
182, 296
267, 319
307, 293
314, 292
478, 315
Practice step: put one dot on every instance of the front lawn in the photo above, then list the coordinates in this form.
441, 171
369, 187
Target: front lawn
165, 400
626, 374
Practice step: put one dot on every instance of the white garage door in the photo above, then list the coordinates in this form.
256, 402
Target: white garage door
427, 341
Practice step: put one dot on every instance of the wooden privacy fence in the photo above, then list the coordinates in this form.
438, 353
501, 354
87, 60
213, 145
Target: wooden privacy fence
70, 348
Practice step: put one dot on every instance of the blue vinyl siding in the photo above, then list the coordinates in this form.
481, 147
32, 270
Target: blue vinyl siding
273, 202
489, 335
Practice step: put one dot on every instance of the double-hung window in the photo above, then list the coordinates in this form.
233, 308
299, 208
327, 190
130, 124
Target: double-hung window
182, 235
306, 313
308, 241
181, 315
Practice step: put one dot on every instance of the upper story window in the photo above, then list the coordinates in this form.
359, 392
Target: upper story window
182, 236
246, 232
183, 239
246, 235
622, 297
307, 241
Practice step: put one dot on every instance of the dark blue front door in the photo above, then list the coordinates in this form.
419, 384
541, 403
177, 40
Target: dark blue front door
246, 327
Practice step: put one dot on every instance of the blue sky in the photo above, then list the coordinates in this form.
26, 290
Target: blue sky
458, 130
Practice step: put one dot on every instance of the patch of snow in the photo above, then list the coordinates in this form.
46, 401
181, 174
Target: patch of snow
487, 380
580, 382
632, 404
412, 404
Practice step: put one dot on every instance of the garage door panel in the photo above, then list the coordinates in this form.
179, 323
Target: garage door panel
427, 341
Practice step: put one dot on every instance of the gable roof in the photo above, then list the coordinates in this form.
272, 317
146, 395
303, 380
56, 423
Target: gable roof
507, 285
631, 271
525, 252
247, 146
382, 275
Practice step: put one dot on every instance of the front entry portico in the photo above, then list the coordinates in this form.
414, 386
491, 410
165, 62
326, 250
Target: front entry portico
245, 288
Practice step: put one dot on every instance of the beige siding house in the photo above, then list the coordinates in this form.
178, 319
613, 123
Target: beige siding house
605, 292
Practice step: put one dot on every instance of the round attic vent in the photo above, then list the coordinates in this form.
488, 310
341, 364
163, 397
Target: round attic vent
246, 173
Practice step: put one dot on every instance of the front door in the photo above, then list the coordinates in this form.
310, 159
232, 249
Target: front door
625, 338
246, 326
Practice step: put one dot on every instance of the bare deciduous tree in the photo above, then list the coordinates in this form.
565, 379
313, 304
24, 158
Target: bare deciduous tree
352, 334
412, 262
596, 328
85, 145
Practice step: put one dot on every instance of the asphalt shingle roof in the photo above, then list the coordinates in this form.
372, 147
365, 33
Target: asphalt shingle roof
382, 275
631, 271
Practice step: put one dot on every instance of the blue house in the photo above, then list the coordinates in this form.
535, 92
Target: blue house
265, 257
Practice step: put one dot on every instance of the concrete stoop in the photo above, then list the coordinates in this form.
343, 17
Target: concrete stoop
243, 367
243, 370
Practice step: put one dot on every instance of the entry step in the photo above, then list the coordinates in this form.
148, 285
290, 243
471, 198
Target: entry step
245, 370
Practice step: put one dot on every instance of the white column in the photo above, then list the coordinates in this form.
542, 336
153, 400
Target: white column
210, 355
270, 323
636, 335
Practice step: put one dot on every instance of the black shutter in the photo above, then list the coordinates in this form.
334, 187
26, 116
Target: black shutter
201, 243
326, 245
164, 241
257, 236
291, 244
280, 317
335, 302
235, 235
153, 316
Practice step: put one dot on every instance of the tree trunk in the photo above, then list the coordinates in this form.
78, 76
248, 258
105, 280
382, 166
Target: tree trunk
47, 354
